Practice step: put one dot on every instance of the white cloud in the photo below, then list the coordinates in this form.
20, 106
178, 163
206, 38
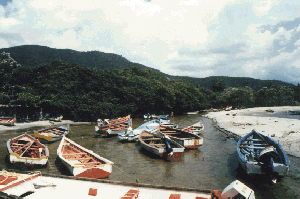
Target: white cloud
219, 37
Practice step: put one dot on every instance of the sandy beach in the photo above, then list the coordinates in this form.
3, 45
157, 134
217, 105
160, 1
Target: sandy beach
25, 125
284, 130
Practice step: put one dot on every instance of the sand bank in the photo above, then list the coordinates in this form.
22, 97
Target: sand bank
26, 125
284, 130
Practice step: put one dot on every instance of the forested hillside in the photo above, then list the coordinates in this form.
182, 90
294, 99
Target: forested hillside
84, 93
34, 55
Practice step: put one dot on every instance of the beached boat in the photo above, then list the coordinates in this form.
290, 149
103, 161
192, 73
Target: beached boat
164, 120
28, 150
195, 128
52, 134
36, 186
161, 146
191, 113
8, 121
259, 154
293, 112
82, 162
184, 138
113, 127
133, 135
56, 119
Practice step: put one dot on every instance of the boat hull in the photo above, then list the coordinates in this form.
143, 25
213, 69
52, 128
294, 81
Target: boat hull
52, 134
252, 147
82, 162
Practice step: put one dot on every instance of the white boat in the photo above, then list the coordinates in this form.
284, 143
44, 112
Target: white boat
133, 135
28, 150
164, 120
195, 128
191, 113
82, 162
37, 186
293, 112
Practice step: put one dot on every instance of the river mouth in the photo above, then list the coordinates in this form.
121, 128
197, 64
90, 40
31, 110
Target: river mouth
214, 165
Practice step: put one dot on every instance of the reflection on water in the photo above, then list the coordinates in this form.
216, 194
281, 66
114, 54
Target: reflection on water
212, 166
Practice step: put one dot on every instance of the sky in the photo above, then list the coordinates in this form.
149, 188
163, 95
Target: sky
195, 38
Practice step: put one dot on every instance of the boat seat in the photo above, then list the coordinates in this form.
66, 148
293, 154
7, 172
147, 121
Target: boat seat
175, 196
131, 194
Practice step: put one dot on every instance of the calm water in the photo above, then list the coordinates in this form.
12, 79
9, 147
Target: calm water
212, 166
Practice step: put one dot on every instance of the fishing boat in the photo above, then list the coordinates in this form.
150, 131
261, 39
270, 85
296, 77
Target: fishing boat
133, 135
36, 186
82, 162
113, 127
293, 112
259, 154
164, 120
161, 146
56, 119
184, 138
52, 134
195, 128
7, 121
28, 150
191, 113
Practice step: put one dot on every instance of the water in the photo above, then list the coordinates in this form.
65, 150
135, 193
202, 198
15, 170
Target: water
212, 166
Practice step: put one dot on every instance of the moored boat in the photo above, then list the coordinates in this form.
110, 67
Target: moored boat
161, 146
52, 134
7, 121
28, 150
82, 162
191, 113
133, 135
195, 128
164, 120
293, 112
56, 119
259, 154
36, 186
186, 139
113, 127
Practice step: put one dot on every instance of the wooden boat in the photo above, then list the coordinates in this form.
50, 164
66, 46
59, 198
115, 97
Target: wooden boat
56, 119
113, 127
163, 147
293, 112
36, 186
184, 138
52, 134
28, 150
164, 120
191, 113
82, 162
8, 121
259, 154
195, 128
133, 135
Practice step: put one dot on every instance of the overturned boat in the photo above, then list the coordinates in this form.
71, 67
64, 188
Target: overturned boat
82, 162
259, 154
28, 150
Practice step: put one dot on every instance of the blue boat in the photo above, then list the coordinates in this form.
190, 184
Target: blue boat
259, 154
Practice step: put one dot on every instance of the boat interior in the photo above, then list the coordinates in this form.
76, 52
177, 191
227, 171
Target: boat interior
27, 147
74, 154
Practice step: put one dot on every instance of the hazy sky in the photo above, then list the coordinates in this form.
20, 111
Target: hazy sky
236, 38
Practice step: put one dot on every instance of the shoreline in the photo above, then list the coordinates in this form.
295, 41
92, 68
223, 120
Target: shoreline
26, 125
283, 130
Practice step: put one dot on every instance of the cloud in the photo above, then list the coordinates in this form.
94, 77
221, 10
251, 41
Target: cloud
186, 37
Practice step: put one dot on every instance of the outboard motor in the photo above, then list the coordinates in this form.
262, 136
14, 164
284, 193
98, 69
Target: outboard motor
266, 157
167, 141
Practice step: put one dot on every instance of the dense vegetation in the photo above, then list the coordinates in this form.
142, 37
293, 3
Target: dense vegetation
84, 93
